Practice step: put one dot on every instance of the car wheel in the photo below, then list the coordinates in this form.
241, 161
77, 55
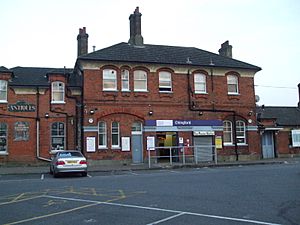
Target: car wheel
84, 174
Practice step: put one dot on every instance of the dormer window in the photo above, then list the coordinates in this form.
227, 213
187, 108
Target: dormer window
58, 92
3, 91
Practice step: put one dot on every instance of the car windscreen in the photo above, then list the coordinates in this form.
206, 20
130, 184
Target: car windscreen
69, 154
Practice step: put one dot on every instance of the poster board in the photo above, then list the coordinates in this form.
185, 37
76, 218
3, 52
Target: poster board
150, 143
125, 144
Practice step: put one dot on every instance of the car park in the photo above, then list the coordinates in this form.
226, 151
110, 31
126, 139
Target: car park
68, 161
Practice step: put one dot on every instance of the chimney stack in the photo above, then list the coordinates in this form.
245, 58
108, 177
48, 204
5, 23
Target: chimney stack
82, 42
299, 95
226, 49
135, 28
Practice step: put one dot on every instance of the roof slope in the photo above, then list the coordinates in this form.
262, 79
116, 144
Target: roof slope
161, 54
36, 75
285, 116
4, 69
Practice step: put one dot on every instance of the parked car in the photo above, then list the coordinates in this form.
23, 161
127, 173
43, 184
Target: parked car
68, 161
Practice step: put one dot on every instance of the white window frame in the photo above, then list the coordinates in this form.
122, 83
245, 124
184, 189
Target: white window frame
165, 81
240, 132
136, 128
200, 81
3, 91
109, 77
58, 89
115, 131
103, 133
4, 136
227, 131
233, 81
125, 85
295, 138
137, 79
63, 136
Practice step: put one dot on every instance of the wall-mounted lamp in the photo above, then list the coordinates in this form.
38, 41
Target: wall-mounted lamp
200, 113
92, 111
150, 113
250, 113
46, 115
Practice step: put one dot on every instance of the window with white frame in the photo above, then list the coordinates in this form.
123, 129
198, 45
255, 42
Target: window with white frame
102, 135
136, 127
115, 135
58, 138
125, 80
58, 92
200, 83
240, 132
109, 80
232, 84
296, 138
3, 91
165, 81
21, 131
3, 138
227, 132
140, 80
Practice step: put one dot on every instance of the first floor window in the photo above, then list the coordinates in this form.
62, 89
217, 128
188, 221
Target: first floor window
232, 84
227, 132
125, 80
165, 81
3, 90
296, 138
58, 92
109, 80
3, 137
200, 83
240, 132
115, 135
21, 131
140, 80
58, 136
102, 134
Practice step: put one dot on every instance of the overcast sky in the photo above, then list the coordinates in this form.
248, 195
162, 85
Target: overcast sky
42, 33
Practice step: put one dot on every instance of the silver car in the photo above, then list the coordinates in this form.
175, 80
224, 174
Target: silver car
68, 161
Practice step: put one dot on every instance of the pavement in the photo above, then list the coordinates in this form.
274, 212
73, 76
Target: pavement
43, 168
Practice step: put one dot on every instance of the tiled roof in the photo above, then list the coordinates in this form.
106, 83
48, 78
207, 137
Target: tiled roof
160, 54
4, 69
37, 75
285, 116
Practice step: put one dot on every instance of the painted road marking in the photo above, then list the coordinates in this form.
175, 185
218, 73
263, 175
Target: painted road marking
164, 210
166, 219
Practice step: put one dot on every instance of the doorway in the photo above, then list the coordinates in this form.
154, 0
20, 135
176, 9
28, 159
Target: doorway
164, 141
203, 148
268, 149
137, 142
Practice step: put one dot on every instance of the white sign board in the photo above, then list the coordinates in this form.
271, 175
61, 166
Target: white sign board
125, 144
150, 143
90, 144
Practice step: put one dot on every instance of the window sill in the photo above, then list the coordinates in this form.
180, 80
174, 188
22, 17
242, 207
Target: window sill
233, 94
102, 148
4, 153
3, 102
55, 102
116, 148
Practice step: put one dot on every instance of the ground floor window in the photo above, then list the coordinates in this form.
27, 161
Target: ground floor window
115, 135
227, 132
58, 136
3, 138
102, 134
296, 138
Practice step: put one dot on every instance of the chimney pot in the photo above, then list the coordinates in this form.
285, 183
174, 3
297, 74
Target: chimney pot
136, 37
226, 49
82, 42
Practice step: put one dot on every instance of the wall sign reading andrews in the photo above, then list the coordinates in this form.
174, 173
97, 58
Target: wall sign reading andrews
21, 106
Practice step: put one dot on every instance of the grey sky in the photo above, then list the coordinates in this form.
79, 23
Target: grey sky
264, 33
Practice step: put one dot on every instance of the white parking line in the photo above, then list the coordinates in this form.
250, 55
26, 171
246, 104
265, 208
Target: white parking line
177, 212
42, 177
166, 219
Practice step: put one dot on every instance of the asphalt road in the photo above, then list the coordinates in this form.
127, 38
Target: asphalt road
260, 194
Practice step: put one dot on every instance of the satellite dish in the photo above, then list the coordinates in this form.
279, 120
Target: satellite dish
257, 98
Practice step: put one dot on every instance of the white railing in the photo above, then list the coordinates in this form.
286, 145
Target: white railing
182, 155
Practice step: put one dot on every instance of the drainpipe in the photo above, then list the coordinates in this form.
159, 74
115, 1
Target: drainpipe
192, 107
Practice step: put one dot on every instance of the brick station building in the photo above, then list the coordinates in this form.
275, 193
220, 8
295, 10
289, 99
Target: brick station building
117, 97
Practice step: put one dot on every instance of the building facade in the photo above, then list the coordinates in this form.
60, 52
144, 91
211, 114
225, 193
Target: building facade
117, 98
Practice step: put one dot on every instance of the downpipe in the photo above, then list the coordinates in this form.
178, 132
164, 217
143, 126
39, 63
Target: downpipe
38, 142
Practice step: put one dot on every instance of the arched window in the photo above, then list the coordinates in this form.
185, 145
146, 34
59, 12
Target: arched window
58, 136
3, 91
140, 80
125, 80
115, 135
232, 84
200, 83
58, 92
136, 127
3, 138
240, 132
227, 132
109, 80
102, 135
165, 81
